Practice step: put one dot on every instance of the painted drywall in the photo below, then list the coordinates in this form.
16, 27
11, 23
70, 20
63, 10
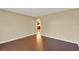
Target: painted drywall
63, 25
13, 26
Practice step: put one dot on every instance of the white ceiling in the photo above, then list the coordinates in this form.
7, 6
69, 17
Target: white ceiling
35, 12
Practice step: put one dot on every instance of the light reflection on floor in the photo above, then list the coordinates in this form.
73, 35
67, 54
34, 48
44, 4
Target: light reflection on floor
39, 42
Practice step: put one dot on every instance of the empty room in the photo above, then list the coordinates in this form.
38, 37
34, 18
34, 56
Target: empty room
39, 29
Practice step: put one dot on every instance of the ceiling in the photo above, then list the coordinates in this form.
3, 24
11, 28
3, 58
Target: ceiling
35, 12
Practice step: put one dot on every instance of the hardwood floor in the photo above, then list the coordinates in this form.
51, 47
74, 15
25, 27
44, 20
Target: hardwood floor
30, 44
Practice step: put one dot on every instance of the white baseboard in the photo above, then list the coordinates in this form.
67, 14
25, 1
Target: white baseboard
15, 38
42, 35
62, 39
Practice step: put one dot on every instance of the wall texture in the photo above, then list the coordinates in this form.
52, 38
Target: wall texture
63, 25
14, 25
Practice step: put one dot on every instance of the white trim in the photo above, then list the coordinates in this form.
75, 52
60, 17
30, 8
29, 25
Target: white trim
15, 38
62, 39
42, 35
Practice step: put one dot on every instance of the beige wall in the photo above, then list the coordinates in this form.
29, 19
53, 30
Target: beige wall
63, 25
14, 26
